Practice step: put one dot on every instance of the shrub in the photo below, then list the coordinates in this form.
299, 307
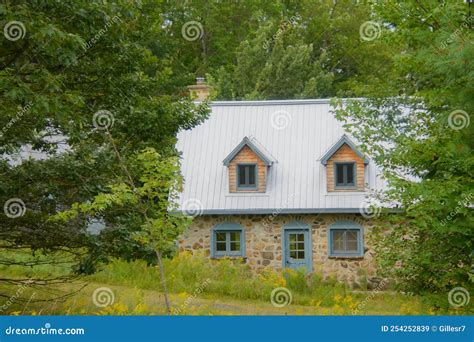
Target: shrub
190, 273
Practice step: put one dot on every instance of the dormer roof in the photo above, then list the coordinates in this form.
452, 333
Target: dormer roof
255, 146
334, 148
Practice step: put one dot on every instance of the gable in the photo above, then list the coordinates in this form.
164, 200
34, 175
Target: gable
247, 156
345, 154
340, 143
253, 145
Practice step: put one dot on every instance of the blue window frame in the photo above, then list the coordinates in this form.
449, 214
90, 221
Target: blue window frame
227, 239
247, 176
346, 239
345, 175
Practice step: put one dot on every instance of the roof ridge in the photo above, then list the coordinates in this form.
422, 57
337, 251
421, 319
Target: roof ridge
269, 102
276, 102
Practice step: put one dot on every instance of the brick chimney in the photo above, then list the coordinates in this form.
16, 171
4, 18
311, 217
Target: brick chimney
200, 90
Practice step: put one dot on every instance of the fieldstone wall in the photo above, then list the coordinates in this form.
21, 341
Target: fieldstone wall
263, 235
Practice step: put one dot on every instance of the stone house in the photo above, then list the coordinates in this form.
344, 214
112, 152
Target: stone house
279, 184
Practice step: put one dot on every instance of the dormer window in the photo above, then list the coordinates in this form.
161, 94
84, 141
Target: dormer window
345, 174
345, 166
248, 166
247, 176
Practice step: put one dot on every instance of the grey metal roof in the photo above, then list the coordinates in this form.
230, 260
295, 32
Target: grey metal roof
296, 133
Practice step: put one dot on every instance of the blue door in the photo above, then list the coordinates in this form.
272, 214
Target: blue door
297, 248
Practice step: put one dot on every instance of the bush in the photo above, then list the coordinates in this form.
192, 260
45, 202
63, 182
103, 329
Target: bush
191, 273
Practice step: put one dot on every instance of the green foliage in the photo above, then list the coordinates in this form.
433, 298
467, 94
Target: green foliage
411, 126
148, 204
217, 287
131, 59
284, 71
74, 59
226, 277
310, 49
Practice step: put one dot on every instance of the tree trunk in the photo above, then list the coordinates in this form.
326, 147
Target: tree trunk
163, 282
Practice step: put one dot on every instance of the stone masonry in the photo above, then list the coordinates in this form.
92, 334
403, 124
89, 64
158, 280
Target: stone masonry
263, 236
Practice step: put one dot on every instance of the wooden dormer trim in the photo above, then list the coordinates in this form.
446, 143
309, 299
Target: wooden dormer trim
247, 157
343, 141
345, 152
248, 153
267, 160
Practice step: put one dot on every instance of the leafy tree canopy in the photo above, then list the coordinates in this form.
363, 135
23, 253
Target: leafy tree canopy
70, 72
416, 124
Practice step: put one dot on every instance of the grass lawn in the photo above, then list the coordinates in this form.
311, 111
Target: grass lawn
134, 301
199, 286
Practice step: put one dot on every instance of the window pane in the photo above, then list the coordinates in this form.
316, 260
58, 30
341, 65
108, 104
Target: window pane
292, 238
293, 254
220, 237
251, 179
292, 246
235, 236
235, 246
351, 234
220, 246
351, 246
301, 246
301, 255
337, 240
351, 241
241, 175
340, 174
350, 174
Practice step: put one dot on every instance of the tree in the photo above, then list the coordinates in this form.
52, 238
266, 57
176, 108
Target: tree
415, 124
69, 70
207, 34
286, 70
147, 193
307, 49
